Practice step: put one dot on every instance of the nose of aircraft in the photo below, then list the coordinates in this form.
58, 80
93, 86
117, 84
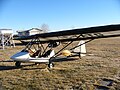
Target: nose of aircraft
20, 56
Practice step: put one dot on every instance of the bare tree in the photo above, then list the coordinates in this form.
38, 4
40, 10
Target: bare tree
45, 27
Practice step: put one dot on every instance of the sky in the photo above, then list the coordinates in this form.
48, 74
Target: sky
58, 14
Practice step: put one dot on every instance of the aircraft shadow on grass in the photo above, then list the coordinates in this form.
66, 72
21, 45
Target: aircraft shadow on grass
3, 68
64, 59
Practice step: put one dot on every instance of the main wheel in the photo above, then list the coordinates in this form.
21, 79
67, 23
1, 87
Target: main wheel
17, 64
50, 65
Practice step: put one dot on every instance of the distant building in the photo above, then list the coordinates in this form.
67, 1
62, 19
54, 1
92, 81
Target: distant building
29, 32
6, 31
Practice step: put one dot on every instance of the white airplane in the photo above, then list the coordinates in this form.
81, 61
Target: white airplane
41, 48
25, 56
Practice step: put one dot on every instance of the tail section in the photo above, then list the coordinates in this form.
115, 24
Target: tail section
81, 48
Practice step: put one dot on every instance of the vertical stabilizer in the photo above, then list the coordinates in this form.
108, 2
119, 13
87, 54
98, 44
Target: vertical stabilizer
81, 49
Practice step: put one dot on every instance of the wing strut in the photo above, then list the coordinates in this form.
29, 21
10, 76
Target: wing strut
65, 46
82, 44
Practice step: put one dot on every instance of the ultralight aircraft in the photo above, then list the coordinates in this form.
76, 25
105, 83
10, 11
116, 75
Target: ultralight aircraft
41, 48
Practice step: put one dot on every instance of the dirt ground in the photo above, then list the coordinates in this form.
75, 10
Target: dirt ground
99, 70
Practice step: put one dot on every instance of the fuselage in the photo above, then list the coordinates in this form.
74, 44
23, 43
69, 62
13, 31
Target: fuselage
24, 56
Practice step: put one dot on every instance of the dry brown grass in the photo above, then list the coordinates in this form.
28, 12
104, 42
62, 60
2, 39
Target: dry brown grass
79, 74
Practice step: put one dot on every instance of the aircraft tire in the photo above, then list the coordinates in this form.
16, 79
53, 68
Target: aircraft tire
18, 64
50, 65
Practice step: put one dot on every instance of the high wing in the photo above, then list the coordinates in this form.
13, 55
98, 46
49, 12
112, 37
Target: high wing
77, 34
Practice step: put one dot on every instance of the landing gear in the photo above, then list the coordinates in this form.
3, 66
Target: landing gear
79, 55
51, 65
17, 64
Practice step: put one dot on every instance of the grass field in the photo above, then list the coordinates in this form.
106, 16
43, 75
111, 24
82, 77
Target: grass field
99, 70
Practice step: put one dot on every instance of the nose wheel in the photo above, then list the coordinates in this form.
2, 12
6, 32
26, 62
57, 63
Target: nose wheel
17, 64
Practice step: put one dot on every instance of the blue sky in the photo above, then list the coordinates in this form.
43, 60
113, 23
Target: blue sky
58, 14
